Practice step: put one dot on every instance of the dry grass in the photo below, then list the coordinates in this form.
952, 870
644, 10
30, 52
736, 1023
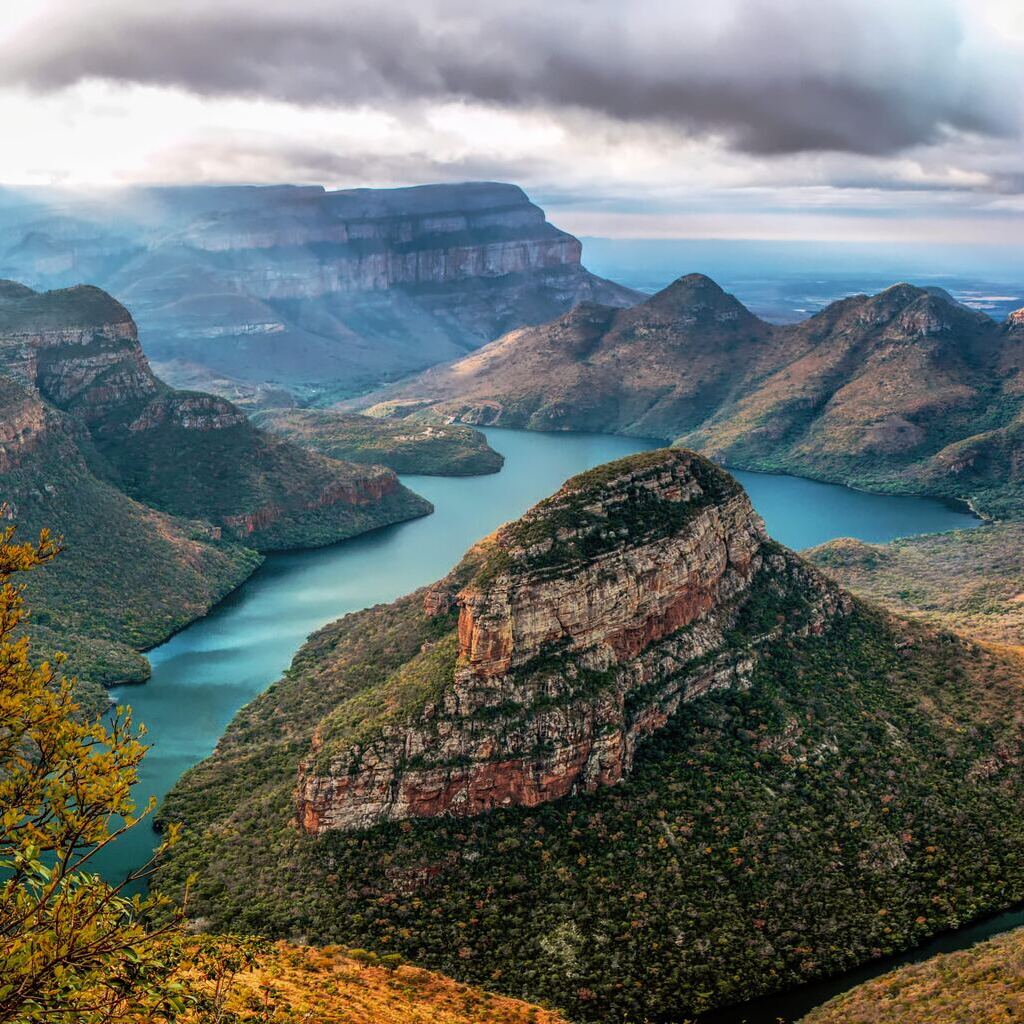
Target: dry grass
332, 986
983, 985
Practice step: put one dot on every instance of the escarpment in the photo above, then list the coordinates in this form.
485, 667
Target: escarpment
576, 632
253, 290
185, 453
96, 448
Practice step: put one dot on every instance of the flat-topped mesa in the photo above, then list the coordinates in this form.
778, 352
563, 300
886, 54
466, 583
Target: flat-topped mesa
582, 628
383, 237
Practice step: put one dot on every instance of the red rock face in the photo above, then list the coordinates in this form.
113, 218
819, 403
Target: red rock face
21, 431
565, 667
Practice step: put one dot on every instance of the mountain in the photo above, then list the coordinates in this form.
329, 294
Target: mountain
630, 758
906, 390
981, 985
433, 448
98, 607
96, 448
265, 292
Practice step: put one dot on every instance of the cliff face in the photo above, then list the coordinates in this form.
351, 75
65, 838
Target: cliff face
510, 765
317, 292
94, 447
185, 453
583, 627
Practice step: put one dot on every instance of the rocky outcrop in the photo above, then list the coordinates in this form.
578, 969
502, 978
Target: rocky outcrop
183, 452
23, 425
581, 629
313, 291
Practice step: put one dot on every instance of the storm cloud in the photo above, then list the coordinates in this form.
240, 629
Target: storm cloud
762, 77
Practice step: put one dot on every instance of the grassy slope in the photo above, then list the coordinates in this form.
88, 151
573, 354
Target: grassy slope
862, 795
295, 983
435, 449
971, 581
981, 985
212, 474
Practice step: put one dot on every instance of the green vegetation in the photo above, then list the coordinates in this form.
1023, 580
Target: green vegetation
586, 516
129, 576
72, 946
22, 309
971, 581
293, 497
147, 486
406, 447
982, 985
417, 682
861, 795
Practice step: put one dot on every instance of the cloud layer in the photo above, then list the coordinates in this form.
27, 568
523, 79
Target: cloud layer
861, 114
764, 76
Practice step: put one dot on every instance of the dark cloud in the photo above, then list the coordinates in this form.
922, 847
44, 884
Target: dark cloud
767, 77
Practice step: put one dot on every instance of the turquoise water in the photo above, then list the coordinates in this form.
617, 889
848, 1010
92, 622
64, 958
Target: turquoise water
202, 676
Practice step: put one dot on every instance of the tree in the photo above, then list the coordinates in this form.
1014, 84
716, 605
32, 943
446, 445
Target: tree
72, 946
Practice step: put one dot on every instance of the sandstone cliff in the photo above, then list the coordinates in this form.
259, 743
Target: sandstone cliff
580, 630
630, 757
185, 453
245, 289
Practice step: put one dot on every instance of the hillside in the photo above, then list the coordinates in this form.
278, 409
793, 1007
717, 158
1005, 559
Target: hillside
982, 985
282, 290
904, 391
130, 575
295, 983
971, 581
631, 758
152, 489
434, 449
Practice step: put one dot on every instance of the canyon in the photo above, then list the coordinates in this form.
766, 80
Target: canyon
275, 293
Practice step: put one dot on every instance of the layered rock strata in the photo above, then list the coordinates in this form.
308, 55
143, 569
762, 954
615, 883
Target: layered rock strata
578, 631
242, 290
184, 452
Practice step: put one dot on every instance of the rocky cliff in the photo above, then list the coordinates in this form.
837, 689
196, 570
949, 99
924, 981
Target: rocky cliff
581, 629
250, 290
186, 453
906, 390
155, 482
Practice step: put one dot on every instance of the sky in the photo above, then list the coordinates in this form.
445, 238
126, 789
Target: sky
852, 120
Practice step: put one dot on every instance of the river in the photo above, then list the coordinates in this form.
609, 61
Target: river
204, 674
